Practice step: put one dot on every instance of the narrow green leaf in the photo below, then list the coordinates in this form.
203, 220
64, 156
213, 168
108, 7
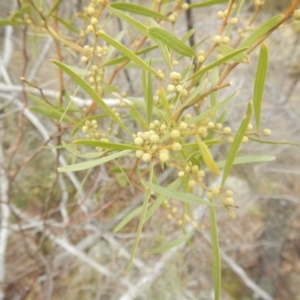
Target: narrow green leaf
171, 41
87, 88
139, 10
186, 198
214, 79
131, 55
74, 151
119, 60
241, 58
259, 84
128, 218
218, 62
11, 23
106, 145
212, 110
262, 30
215, 253
236, 143
141, 223
65, 23
131, 21
136, 115
207, 3
92, 163
170, 245
149, 97
54, 8
246, 160
273, 142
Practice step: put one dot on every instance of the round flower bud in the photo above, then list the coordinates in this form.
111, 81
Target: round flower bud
229, 193
175, 62
183, 126
202, 131
175, 134
179, 88
210, 125
215, 190
86, 48
227, 130
218, 39
164, 155
228, 201
146, 157
250, 127
138, 141
90, 28
245, 139
176, 147
90, 10
200, 174
191, 183
185, 6
163, 127
184, 93
219, 126
233, 21
297, 14
225, 40
94, 21
187, 169
201, 58
171, 88
180, 174
156, 123
84, 59
85, 129
175, 76
267, 132
209, 195
154, 138
94, 123
146, 135
195, 168
220, 14
230, 140
172, 18
139, 153
201, 52
151, 126
231, 215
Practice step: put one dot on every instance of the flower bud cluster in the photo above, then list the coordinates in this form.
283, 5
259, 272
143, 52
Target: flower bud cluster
176, 87
90, 129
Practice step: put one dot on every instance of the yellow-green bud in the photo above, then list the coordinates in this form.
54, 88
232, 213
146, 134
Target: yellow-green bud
171, 88
202, 130
245, 139
218, 39
176, 147
233, 21
297, 14
90, 10
175, 76
200, 173
139, 153
219, 126
210, 125
225, 40
175, 134
183, 126
191, 183
228, 201
185, 6
154, 138
227, 130
180, 174
164, 155
220, 14
84, 59
250, 127
179, 88
138, 141
231, 215
146, 157
229, 193
201, 58
267, 132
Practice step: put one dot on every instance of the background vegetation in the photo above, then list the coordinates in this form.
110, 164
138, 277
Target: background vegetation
58, 229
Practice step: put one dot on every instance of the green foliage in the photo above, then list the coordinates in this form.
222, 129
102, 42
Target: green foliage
172, 126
